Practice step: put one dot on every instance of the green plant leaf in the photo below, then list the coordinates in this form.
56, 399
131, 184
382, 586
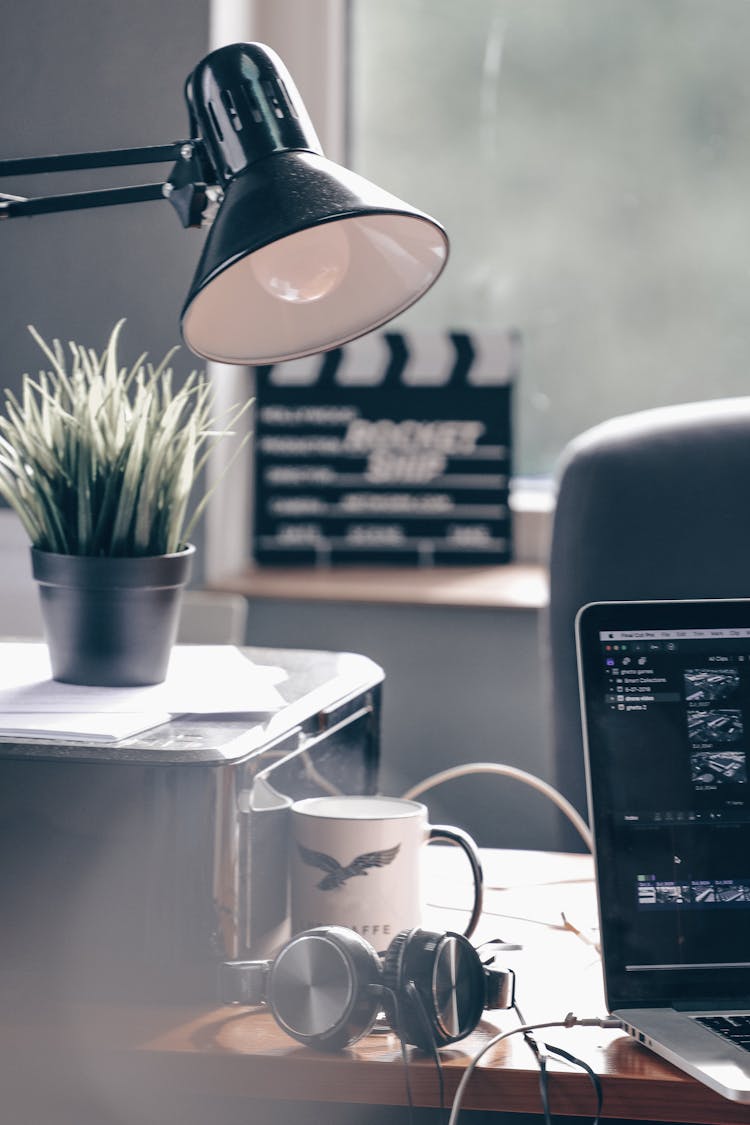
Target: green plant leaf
97, 457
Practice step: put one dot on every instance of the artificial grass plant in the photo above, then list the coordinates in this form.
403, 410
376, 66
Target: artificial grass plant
98, 459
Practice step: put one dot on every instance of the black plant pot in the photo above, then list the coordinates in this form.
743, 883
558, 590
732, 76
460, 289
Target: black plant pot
111, 621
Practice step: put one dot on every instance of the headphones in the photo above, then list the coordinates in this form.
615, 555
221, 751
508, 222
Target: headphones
327, 987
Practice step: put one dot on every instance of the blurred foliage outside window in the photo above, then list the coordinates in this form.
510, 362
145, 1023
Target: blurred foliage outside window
590, 160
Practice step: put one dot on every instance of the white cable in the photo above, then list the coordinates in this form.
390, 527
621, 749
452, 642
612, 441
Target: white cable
531, 779
458, 1098
569, 1021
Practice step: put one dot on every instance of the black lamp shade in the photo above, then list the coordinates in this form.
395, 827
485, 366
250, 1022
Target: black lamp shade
303, 254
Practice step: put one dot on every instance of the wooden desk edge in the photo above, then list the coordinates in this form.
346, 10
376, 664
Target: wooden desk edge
372, 1075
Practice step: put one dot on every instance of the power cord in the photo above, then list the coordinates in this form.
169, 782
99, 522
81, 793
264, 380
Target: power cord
541, 1052
531, 779
593, 1076
570, 1020
540, 1055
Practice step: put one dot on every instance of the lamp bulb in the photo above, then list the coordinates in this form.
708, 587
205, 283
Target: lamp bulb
305, 266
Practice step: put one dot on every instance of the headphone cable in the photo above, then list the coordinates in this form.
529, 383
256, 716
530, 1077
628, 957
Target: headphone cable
544, 1074
593, 1076
413, 993
570, 1020
541, 1059
404, 1056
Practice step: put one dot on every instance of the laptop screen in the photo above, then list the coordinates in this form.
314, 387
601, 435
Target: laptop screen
665, 690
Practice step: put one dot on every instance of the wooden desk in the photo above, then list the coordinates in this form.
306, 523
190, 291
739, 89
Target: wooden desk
154, 1065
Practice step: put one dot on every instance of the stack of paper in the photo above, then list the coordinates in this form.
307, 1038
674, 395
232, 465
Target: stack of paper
201, 679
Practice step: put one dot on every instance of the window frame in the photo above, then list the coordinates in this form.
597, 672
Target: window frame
312, 37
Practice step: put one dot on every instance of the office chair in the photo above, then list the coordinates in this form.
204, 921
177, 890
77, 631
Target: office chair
651, 505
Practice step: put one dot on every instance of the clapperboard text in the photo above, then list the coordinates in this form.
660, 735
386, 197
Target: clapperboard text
395, 449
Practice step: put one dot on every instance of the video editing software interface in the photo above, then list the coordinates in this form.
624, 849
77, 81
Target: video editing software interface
671, 723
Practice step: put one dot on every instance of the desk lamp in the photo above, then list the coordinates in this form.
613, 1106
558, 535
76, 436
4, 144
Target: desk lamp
301, 254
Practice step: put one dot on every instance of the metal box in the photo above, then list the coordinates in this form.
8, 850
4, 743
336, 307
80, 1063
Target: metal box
133, 869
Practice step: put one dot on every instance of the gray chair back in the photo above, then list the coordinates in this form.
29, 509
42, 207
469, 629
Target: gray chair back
652, 505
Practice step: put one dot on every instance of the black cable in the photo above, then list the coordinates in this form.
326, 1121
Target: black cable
413, 994
541, 1059
416, 1000
594, 1077
570, 1020
404, 1057
543, 1076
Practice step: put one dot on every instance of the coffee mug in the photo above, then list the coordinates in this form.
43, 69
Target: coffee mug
356, 862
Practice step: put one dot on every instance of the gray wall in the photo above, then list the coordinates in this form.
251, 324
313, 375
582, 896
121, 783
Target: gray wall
90, 74
462, 685
82, 75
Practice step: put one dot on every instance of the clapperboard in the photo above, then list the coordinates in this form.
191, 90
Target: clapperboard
394, 449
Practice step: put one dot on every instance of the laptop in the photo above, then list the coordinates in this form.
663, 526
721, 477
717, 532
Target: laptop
665, 698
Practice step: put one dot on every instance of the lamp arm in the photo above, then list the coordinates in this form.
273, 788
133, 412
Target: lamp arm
13, 207
75, 161
189, 188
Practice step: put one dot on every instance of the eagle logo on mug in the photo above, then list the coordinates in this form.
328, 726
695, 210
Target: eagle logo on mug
336, 874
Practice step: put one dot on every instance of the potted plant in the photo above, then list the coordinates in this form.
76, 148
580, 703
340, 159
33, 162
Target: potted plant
99, 462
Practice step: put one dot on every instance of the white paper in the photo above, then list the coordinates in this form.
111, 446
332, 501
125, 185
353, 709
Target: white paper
78, 728
201, 679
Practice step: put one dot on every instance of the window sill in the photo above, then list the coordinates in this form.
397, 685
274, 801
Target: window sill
518, 585
515, 586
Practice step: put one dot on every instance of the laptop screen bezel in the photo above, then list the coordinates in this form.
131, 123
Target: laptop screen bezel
654, 988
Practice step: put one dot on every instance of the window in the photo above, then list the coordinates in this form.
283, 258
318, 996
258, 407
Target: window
590, 160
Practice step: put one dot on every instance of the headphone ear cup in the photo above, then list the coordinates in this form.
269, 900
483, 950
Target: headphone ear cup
434, 987
397, 1005
324, 987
